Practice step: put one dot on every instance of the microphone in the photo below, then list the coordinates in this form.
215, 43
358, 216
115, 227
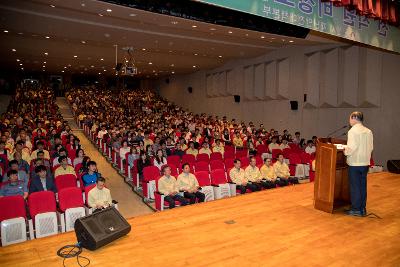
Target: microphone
337, 130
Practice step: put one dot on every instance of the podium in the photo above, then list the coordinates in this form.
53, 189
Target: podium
331, 185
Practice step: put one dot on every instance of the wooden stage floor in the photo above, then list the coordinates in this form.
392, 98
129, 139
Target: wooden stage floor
271, 228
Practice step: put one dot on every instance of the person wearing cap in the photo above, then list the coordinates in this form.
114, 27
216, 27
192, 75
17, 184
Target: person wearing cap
64, 168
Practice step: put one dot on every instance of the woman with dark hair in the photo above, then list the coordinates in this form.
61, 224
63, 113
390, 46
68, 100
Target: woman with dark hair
84, 167
79, 156
133, 155
160, 160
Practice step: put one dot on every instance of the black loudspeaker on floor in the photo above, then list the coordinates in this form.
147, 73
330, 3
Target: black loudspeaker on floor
394, 166
100, 228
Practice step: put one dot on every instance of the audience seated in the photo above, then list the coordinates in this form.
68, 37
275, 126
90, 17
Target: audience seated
64, 167
268, 173
42, 180
168, 186
91, 176
99, 197
188, 184
238, 177
14, 187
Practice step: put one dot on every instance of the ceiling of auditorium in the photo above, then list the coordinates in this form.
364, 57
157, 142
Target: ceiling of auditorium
74, 36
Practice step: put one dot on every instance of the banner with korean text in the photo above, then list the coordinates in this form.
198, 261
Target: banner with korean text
322, 17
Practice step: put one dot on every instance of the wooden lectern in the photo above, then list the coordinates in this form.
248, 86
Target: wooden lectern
331, 186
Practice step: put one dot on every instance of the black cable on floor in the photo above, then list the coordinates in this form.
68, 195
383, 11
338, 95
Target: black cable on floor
75, 251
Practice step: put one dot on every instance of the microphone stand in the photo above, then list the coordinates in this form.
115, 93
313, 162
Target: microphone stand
341, 128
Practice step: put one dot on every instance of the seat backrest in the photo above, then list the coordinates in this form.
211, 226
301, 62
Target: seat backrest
12, 207
275, 153
70, 197
150, 173
78, 167
203, 178
174, 170
201, 166
241, 153
294, 158
216, 156
286, 152
228, 164
262, 149
41, 202
64, 181
202, 157
217, 164
188, 158
259, 160
87, 189
174, 159
218, 177
244, 162
229, 154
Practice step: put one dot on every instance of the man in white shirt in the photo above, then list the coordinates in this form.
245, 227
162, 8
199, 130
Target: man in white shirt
310, 147
358, 151
99, 197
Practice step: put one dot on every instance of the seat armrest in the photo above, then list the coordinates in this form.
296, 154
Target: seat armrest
214, 185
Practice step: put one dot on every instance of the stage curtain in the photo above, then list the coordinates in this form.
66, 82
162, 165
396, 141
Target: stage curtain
384, 10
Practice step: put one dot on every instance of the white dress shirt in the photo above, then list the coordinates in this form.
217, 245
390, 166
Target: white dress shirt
359, 145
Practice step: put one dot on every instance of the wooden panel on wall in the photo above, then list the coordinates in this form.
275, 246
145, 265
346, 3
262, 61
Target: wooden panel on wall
249, 82
312, 77
348, 92
370, 78
230, 82
270, 80
209, 85
329, 64
283, 71
215, 84
259, 81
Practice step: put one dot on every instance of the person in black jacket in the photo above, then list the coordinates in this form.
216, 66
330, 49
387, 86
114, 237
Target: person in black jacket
144, 161
42, 181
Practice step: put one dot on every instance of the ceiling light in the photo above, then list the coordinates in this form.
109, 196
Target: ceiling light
143, 49
194, 26
20, 33
172, 65
194, 66
230, 32
154, 71
52, 5
283, 40
83, 42
22, 68
92, 66
173, 72
272, 38
220, 56
108, 10
65, 67
104, 70
5, 31
101, 59
101, 15
69, 65
132, 15
291, 41
126, 61
44, 66
174, 22
170, 51
44, 62
13, 50
62, 71
262, 37
47, 37
46, 54
75, 56
212, 29
20, 64
247, 34
99, 73
17, 60
150, 63
195, 54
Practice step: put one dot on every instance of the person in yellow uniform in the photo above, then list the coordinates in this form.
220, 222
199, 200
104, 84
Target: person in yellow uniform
238, 177
64, 168
268, 173
191, 150
40, 147
205, 149
253, 174
237, 141
168, 186
218, 147
283, 173
188, 183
